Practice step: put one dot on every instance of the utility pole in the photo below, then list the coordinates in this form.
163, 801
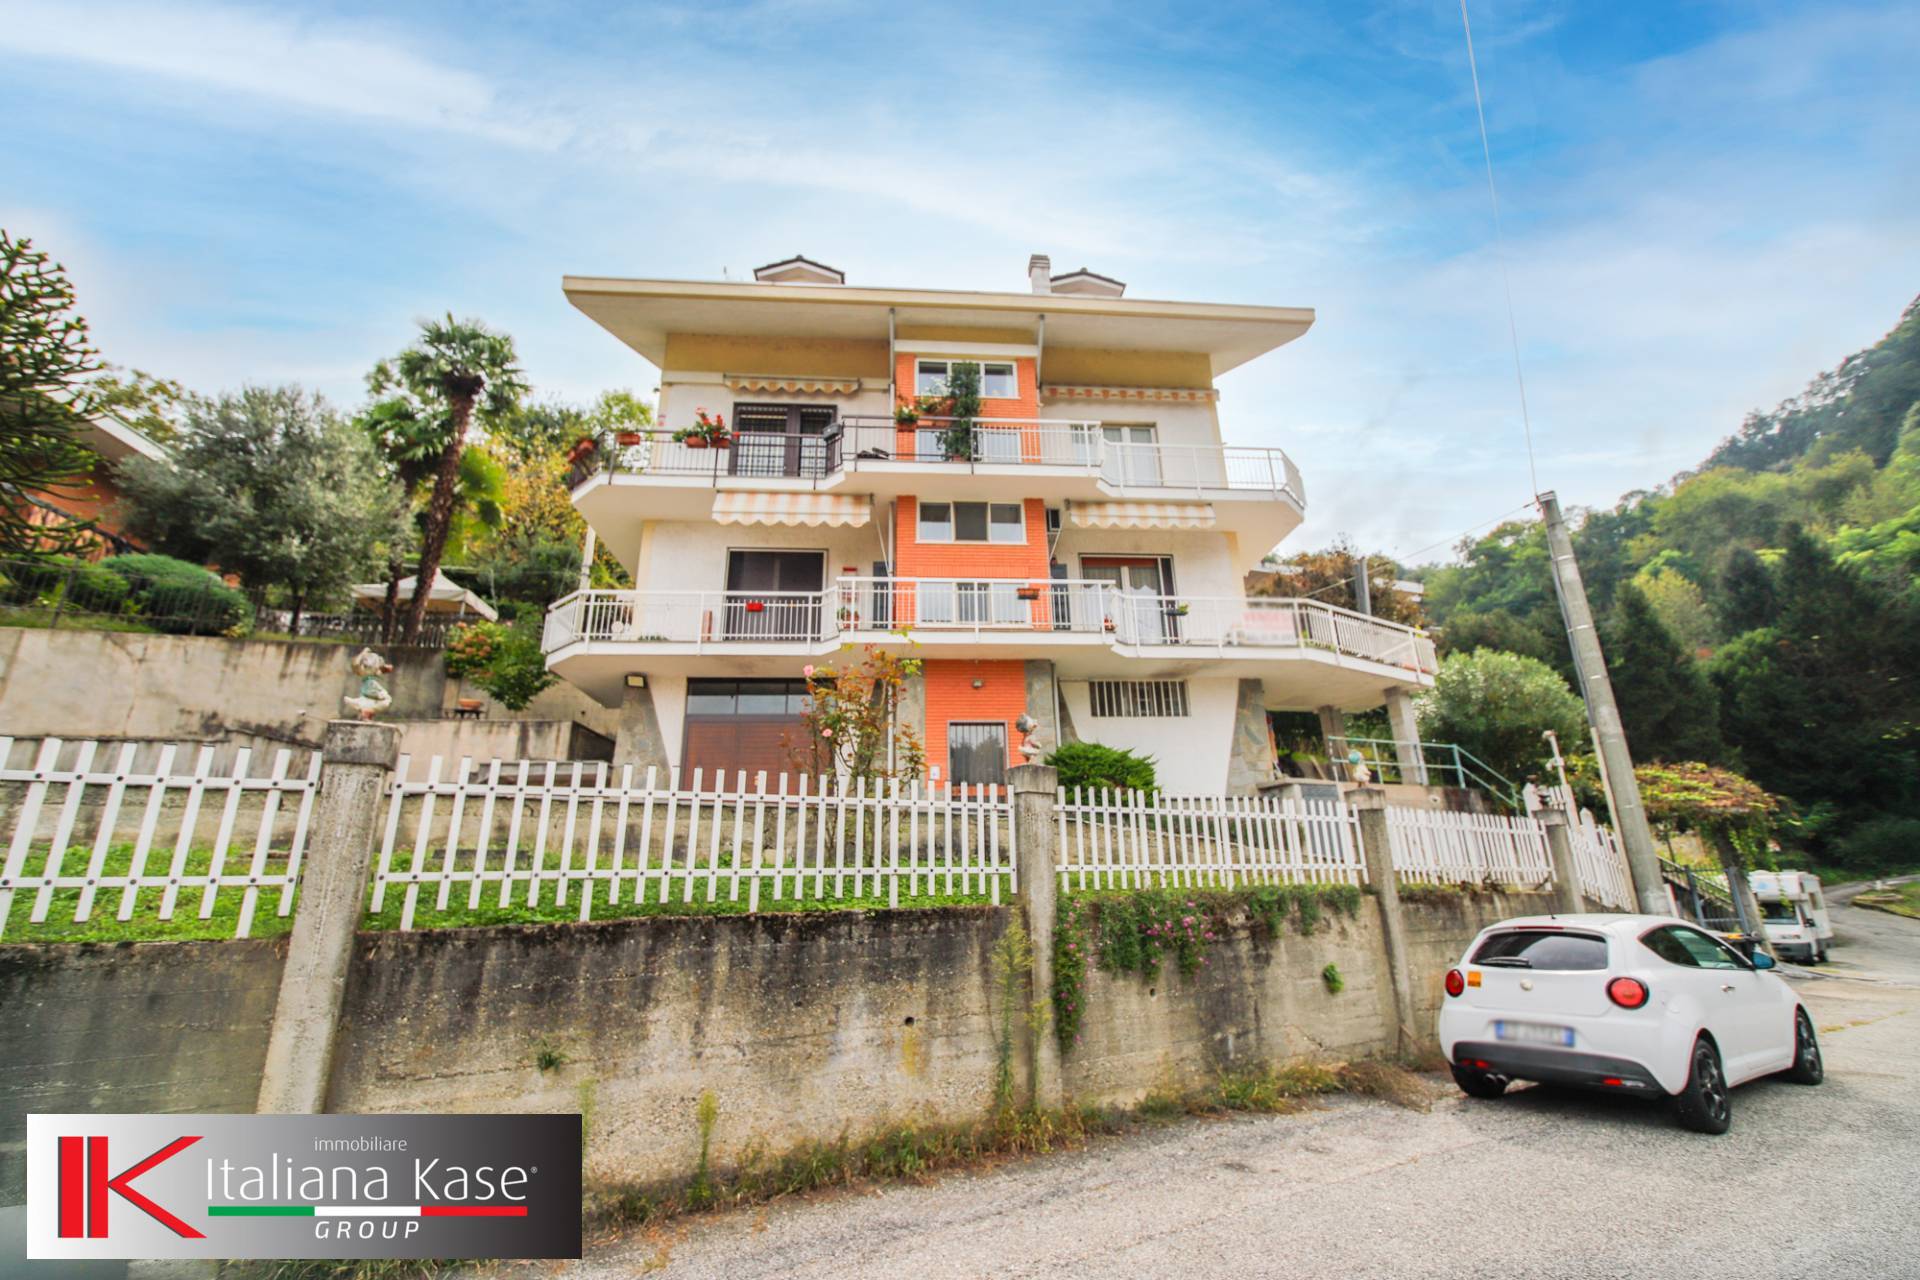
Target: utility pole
1643, 862
1362, 588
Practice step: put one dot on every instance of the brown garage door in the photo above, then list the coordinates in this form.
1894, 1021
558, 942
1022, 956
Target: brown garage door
742, 725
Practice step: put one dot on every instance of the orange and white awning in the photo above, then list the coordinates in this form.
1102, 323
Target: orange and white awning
842, 509
790, 384
1141, 515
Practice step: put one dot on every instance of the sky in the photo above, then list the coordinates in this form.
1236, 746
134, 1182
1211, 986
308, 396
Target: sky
1703, 204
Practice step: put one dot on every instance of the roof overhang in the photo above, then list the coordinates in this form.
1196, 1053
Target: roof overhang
641, 313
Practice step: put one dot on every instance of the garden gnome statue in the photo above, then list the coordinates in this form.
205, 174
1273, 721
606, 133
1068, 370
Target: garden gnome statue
373, 698
1357, 767
1030, 746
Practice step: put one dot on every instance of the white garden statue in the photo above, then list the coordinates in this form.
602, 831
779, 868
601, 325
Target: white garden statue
373, 697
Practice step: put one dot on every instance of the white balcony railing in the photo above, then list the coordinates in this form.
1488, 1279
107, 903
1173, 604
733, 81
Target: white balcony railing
867, 606
854, 443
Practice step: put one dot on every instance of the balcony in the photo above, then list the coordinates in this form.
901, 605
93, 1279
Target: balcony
992, 446
1254, 493
1091, 628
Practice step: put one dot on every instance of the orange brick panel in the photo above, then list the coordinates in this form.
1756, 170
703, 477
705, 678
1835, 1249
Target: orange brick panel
1002, 698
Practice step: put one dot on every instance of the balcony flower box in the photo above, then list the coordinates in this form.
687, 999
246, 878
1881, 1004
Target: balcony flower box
628, 439
1028, 593
706, 431
756, 606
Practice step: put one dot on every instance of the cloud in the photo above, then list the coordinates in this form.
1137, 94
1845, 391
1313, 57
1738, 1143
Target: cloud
334, 70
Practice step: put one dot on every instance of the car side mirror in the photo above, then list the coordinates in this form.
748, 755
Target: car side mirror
1761, 960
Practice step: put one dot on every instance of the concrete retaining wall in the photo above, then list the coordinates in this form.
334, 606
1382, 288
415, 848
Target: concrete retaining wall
804, 1026
113, 684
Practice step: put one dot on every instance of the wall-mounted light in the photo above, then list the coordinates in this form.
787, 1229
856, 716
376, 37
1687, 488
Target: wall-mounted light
636, 682
979, 684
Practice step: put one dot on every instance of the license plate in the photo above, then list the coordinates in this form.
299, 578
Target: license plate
1533, 1033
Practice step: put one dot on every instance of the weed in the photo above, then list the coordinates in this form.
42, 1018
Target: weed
1331, 976
548, 1056
1375, 1078
705, 1112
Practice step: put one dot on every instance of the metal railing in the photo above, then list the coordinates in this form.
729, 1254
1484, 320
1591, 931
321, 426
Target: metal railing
856, 605
855, 442
1445, 764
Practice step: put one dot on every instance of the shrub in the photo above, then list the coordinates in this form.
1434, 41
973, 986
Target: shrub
470, 647
179, 597
506, 661
1885, 844
88, 587
1094, 766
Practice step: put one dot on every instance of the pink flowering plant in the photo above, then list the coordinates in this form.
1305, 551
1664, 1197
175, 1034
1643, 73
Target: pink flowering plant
851, 728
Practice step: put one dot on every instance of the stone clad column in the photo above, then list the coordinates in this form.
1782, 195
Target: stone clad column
359, 758
1034, 787
637, 739
1406, 737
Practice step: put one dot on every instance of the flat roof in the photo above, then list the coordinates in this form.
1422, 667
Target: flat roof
641, 313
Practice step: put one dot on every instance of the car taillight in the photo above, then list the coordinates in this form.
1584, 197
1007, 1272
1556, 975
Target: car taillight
1456, 982
1628, 993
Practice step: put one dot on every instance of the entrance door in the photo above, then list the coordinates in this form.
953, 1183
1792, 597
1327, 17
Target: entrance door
977, 752
790, 440
1144, 584
774, 595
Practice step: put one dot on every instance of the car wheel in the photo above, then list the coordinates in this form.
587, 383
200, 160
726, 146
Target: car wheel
1703, 1105
1479, 1084
1807, 1067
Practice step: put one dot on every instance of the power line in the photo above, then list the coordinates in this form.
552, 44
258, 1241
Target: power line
1500, 247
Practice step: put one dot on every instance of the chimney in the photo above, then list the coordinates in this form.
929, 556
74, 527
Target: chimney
1039, 271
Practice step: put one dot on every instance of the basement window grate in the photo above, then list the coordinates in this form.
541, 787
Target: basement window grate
1138, 698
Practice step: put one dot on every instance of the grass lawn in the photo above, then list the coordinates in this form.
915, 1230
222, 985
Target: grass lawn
1900, 899
186, 923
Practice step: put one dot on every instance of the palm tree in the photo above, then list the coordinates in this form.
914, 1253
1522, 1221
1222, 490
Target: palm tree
457, 368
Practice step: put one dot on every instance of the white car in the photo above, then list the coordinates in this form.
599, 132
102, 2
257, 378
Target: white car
1645, 1005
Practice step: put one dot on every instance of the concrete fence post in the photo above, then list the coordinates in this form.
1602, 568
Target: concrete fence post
333, 889
1376, 847
1567, 898
1034, 787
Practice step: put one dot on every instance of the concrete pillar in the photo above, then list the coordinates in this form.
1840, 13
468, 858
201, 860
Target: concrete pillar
1376, 847
1333, 727
1405, 732
637, 739
333, 889
1033, 787
911, 709
1250, 762
1567, 898
1041, 705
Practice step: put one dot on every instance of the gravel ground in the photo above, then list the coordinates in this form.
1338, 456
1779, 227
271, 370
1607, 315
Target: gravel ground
1810, 1182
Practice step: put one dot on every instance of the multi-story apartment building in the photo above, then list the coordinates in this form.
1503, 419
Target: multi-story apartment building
1074, 554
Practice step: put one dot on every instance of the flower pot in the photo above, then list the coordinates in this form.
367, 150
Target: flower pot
628, 439
695, 442
756, 606
722, 442
1028, 593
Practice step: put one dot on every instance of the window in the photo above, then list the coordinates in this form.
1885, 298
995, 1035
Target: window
972, 602
1004, 522
726, 698
1691, 949
1542, 949
1779, 912
1138, 697
998, 379
977, 753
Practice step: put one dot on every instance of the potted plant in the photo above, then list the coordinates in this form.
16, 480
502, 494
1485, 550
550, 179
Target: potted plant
1180, 610
1028, 593
628, 439
906, 413
582, 450
707, 430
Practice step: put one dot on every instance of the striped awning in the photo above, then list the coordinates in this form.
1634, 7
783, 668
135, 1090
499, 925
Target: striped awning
1141, 515
792, 508
790, 384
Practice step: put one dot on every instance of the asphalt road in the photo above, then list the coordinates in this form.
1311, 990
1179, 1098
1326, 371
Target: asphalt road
1816, 1182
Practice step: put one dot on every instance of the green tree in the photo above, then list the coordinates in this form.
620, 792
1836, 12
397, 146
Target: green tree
269, 484
1498, 706
429, 395
1744, 598
1679, 605
155, 407
45, 362
1823, 706
1666, 702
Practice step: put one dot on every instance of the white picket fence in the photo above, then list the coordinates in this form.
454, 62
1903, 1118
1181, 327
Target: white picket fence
1468, 848
588, 836
1129, 840
125, 827
1601, 863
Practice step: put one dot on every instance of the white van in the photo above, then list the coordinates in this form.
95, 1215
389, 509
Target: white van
1794, 912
